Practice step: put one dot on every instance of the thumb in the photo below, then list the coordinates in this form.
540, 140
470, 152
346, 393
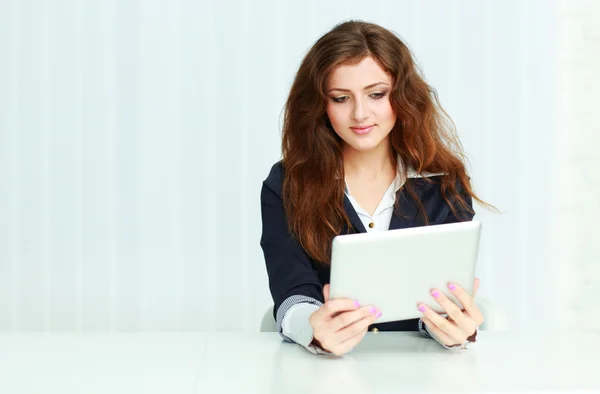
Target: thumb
326, 292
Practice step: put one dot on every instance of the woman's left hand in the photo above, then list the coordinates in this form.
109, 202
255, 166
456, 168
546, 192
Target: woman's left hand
460, 324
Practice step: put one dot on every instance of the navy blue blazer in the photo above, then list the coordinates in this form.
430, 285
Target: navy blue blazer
290, 269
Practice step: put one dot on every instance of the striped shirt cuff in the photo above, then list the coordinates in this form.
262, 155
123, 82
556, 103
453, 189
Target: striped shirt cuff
423, 329
286, 305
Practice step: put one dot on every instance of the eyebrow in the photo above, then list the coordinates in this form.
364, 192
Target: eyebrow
366, 87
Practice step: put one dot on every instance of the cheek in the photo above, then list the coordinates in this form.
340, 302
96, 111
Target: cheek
386, 111
336, 115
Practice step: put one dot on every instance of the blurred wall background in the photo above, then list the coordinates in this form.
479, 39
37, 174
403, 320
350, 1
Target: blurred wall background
134, 137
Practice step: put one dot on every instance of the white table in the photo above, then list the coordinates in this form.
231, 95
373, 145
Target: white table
100, 363
261, 363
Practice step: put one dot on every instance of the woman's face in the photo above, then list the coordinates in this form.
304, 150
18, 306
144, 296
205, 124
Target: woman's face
359, 106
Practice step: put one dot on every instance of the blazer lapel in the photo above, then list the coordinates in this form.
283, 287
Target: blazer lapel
353, 216
408, 208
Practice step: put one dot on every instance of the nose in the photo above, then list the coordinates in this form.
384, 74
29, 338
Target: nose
359, 112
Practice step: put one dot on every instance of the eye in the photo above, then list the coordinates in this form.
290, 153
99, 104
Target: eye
377, 95
340, 99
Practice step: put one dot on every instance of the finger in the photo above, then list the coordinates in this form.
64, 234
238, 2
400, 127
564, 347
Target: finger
340, 342
354, 340
349, 344
475, 287
345, 319
326, 292
357, 326
451, 308
443, 324
435, 330
333, 307
467, 302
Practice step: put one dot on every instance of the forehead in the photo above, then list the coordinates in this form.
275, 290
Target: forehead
357, 76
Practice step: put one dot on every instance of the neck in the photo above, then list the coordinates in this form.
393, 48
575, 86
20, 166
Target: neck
368, 165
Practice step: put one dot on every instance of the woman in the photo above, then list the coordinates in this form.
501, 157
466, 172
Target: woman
365, 148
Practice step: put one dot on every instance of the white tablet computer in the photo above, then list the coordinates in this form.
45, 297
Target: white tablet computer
396, 269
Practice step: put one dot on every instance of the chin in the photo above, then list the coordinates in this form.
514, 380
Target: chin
364, 145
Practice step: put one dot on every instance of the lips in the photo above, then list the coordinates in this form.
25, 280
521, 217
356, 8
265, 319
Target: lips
362, 130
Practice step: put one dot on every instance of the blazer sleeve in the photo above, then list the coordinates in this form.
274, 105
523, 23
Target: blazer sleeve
292, 278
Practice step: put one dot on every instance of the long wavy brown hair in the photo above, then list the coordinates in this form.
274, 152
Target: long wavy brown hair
423, 137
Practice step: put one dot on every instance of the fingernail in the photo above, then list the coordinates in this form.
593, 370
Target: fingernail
373, 310
435, 294
422, 308
356, 303
452, 286
378, 315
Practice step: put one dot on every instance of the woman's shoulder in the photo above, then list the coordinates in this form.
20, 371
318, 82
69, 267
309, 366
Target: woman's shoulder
274, 180
428, 180
411, 173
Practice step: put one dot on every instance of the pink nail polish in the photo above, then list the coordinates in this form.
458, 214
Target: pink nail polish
356, 303
373, 310
422, 308
378, 315
435, 294
452, 286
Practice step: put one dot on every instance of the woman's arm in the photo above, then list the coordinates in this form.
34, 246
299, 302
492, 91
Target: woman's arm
292, 279
425, 323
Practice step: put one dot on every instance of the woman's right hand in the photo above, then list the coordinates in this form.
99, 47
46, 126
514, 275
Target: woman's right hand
340, 324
